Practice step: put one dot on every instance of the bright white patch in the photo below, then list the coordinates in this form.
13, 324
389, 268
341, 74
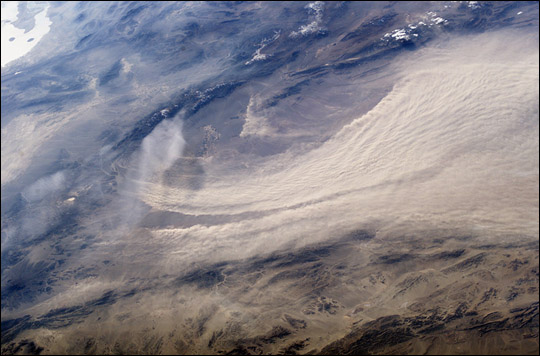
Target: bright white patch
313, 27
473, 5
20, 45
10, 10
439, 20
309, 29
258, 56
401, 35
433, 19
519, 13
126, 66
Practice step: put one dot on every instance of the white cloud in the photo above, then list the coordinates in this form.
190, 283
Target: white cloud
15, 41
44, 186
160, 149
258, 56
10, 10
454, 145
315, 8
